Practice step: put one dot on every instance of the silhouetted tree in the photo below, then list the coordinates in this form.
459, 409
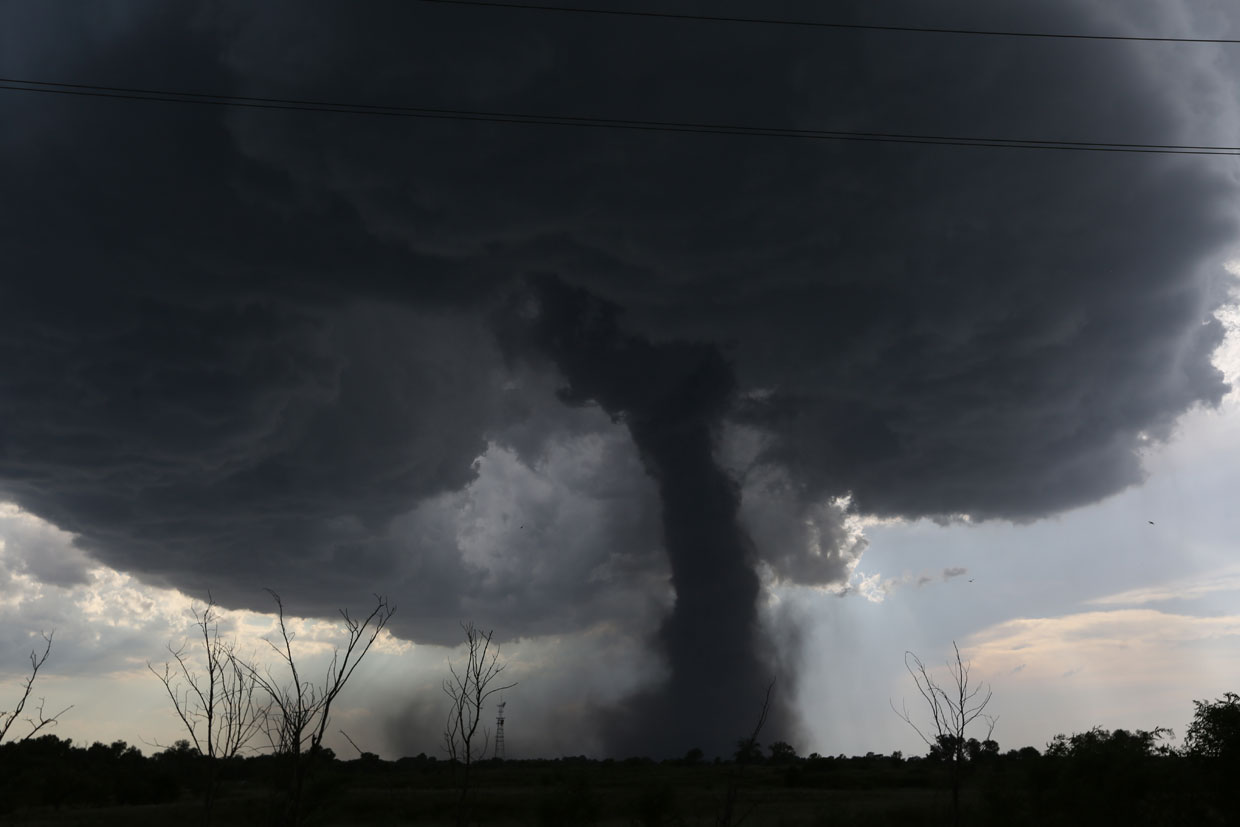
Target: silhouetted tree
1112, 777
1111, 746
782, 752
953, 708
217, 700
1212, 743
977, 751
748, 751
300, 709
468, 687
39, 720
1215, 729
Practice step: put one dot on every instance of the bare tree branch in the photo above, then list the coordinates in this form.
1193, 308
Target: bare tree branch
360, 753
468, 690
217, 706
40, 720
300, 709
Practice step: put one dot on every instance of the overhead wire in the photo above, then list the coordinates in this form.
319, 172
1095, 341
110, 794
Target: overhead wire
591, 122
818, 24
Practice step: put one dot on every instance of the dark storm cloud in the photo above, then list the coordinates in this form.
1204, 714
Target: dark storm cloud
252, 348
941, 330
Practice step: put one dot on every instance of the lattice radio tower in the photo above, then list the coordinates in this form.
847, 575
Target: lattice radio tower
499, 730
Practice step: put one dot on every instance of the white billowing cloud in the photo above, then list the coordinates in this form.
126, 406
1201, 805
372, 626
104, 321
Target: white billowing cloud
876, 588
1227, 355
37, 550
1132, 668
1120, 646
1188, 589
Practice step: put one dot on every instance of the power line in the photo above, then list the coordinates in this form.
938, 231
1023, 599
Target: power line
347, 108
816, 24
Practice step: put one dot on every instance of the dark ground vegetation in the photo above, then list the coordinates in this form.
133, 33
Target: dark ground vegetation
1096, 777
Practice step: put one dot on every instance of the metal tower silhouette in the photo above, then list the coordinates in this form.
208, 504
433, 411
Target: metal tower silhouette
499, 730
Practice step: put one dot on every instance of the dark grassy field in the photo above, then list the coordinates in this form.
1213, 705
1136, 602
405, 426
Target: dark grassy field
553, 794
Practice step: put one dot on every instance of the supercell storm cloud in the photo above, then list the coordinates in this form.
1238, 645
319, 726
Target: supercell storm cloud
244, 348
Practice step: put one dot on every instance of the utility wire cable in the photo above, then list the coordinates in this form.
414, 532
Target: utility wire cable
346, 108
815, 24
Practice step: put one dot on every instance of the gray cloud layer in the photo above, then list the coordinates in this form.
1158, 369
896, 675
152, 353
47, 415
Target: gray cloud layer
252, 348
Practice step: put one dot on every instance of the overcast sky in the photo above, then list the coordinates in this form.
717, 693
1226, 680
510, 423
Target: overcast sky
675, 413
